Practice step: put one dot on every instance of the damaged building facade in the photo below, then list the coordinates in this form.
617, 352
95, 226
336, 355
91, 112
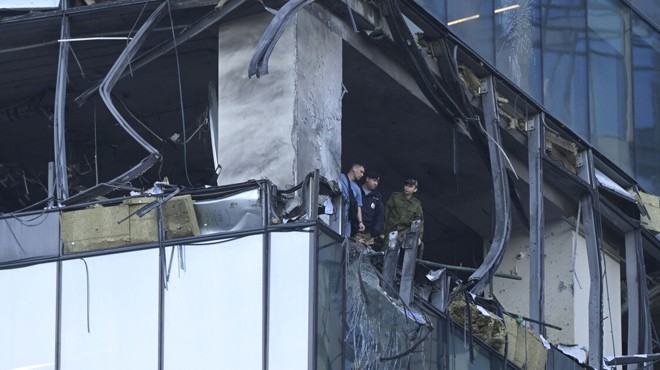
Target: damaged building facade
169, 171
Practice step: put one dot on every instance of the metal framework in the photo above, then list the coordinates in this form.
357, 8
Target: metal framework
592, 230
484, 274
535, 145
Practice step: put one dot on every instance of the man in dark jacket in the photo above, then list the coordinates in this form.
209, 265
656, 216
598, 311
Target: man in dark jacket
373, 210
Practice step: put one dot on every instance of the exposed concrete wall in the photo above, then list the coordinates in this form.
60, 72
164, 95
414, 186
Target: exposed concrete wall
255, 116
285, 124
612, 334
318, 88
566, 286
558, 282
513, 293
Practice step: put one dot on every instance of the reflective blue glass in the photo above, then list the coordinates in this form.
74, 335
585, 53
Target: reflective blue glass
649, 8
436, 8
565, 62
610, 110
646, 82
518, 43
472, 21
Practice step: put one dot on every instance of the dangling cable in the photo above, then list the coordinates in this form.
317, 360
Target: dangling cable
183, 115
128, 38
96, 157
87, 278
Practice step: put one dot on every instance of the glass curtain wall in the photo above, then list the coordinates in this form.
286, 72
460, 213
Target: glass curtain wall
213, 305
27, 317
610, 86
591, 63
646, 82
518, 43
110, 312
220, 299
565, 62
330, 302
472, 21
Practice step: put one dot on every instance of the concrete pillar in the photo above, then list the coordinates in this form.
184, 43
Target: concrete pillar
287, 123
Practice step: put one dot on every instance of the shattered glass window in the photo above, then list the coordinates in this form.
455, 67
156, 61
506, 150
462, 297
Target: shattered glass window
381, 329
330, 309
518, 43
384, 333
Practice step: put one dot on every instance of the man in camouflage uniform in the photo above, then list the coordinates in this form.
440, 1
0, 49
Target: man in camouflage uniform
402, 209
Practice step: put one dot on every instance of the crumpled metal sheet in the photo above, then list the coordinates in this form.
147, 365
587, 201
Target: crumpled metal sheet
259, 63
242, 211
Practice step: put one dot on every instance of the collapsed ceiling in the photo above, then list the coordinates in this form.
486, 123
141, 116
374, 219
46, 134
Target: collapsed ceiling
160, 100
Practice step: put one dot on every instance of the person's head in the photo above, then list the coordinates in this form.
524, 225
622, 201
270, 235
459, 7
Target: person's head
409, 187
356, 171
371, 180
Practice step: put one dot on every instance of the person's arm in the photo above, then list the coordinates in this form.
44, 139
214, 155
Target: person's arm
361, 224
358, 199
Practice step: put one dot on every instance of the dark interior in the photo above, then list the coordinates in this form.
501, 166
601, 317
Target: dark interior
150, 99
390, 130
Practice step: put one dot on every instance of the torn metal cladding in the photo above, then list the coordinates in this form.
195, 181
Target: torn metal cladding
140, 61
259, 63
484, 274
431, 87
62, 188
105, 90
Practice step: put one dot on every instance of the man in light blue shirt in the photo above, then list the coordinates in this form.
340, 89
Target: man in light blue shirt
348, 180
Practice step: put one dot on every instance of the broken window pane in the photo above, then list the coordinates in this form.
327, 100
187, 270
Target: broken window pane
518, 43
330, 309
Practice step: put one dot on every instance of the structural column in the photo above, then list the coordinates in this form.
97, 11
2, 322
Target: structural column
639, 336
536, 222
287, 123
588, 206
